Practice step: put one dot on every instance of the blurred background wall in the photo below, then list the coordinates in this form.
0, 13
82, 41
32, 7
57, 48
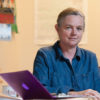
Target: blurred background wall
19, 53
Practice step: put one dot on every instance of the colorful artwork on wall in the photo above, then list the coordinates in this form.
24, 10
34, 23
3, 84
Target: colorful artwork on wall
7, 19
5, 32
8, 13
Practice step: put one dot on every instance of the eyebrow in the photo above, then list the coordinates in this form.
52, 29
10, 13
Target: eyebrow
72, 25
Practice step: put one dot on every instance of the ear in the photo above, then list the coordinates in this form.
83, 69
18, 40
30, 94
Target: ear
57, 28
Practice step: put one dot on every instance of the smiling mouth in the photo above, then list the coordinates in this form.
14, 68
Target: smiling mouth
72, 38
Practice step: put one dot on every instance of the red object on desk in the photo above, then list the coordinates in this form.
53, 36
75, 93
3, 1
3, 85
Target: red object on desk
6, 18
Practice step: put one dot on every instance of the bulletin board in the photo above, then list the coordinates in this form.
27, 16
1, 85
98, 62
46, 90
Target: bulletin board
45, 16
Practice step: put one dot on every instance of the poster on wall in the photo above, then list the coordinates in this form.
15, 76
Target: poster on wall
5, 32
7, 19
7, 11
46, 12
6, 3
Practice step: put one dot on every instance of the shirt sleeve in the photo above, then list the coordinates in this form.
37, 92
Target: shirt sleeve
42, 73
96, 76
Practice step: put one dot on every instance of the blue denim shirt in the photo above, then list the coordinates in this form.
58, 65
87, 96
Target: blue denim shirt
58, 75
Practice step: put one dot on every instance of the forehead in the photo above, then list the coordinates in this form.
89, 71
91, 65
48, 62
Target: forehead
76, 20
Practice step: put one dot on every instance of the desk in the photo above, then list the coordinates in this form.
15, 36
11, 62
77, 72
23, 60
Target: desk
4, 97
1, 98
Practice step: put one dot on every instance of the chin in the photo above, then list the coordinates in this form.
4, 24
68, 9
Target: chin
73, 45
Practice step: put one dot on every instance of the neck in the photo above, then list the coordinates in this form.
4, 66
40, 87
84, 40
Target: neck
68, 52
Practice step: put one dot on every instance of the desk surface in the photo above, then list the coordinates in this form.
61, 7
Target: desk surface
4, 97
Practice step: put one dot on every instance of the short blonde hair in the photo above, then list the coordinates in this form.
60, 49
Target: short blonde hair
69, 11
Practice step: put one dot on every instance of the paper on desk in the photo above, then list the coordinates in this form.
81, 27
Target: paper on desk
74, 97
5, 97
5, 31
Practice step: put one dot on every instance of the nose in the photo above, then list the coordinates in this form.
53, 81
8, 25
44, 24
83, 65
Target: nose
74, 31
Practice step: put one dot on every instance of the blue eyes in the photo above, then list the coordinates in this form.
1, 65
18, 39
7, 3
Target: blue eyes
78, 28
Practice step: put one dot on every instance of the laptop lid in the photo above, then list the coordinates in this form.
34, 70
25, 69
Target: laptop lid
26, 85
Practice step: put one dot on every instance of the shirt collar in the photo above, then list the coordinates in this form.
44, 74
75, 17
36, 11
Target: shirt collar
59, 53
58, 50
78, 53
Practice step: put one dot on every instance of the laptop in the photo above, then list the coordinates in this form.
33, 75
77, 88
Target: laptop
26, 85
